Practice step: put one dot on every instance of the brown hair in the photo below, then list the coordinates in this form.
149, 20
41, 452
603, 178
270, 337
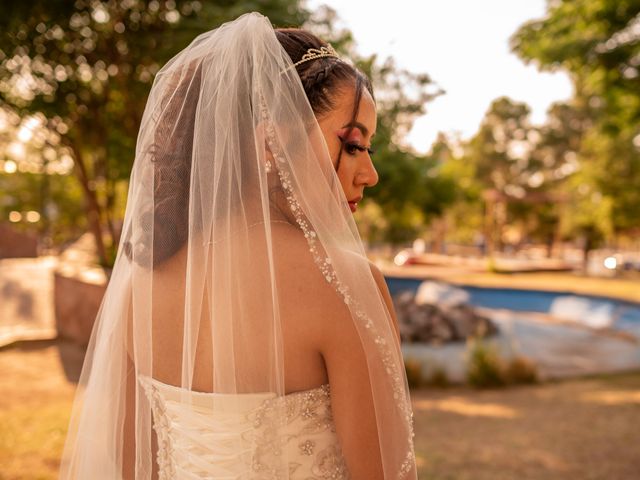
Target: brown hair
322, 77
172, 148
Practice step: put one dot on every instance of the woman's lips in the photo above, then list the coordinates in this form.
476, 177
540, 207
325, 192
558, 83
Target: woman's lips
353, 204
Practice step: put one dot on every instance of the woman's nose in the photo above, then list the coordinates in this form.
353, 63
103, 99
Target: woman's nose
368, 176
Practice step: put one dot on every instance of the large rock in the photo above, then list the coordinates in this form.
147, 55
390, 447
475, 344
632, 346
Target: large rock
426, 319
437, 293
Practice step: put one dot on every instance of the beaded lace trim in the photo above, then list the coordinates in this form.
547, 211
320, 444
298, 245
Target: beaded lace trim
324, 264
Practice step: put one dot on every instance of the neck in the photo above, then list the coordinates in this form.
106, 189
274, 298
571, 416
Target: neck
279, 209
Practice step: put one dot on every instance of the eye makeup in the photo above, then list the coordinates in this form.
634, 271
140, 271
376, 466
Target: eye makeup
352, 147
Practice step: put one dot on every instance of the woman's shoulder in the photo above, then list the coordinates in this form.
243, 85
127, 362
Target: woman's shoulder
295, 266
309, 288
295, 262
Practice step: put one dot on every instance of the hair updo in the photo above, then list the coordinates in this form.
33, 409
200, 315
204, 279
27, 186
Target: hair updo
322, 77
172, 148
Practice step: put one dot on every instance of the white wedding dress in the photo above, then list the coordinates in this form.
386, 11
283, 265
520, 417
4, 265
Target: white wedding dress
205, 282
231, 436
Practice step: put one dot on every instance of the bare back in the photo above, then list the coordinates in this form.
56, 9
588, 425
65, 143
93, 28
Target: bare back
309, 308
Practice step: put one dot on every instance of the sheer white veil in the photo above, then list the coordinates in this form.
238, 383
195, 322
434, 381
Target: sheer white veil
227, 146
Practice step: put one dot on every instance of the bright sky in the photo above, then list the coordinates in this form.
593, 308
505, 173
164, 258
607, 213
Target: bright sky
464, 46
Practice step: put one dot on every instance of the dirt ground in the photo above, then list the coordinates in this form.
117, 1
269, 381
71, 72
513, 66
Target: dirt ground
584, 429
36, 391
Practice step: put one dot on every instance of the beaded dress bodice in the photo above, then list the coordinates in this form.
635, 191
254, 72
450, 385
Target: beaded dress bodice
237, 436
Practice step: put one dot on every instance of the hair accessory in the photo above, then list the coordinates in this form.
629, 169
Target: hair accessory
314, 53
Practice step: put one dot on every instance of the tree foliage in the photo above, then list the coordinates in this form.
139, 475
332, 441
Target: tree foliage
410, 192
598, 43
87, 65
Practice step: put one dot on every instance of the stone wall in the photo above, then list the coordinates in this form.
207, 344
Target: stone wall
77, 300
15, 244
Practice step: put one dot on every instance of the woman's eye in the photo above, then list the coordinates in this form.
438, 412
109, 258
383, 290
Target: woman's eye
352, 148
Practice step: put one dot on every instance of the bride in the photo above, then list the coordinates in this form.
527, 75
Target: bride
244, 334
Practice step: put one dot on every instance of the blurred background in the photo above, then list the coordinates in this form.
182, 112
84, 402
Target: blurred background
506, 219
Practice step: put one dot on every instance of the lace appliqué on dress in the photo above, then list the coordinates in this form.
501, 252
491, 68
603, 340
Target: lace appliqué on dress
289, 437
309, 431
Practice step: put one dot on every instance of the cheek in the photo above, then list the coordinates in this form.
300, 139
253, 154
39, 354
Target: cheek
331, 140
334, 145
346, 171
344, 182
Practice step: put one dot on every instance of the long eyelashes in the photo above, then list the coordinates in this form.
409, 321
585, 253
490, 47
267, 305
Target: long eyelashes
353, 147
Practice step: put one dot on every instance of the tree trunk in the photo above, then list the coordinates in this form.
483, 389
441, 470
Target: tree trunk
588, 245
93, 208
550, 242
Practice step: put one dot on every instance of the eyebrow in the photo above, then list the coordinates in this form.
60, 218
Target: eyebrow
360, 127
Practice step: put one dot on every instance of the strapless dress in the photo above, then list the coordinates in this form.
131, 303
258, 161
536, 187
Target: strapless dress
244, 436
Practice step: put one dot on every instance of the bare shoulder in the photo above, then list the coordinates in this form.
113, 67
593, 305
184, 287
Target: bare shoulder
378, 276
345, 358
331, 327
303, 284
320, 313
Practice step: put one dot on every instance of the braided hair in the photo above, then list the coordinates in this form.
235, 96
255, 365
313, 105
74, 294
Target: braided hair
322, 77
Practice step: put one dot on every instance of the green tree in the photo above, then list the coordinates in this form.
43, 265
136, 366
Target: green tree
35, 177
597, 43
555, 151
567, 176
464, 216
501, 149
410, 192
87, 65
504, 166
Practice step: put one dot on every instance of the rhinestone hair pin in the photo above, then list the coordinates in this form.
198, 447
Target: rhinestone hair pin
314, 53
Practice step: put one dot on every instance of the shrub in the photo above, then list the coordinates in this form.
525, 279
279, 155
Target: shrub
485, 368
492, 265
438, 378
414, 372
521, 370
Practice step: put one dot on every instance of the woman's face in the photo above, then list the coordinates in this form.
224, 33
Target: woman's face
354, 167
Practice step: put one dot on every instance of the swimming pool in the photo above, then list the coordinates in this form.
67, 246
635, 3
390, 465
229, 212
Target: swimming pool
589, 309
